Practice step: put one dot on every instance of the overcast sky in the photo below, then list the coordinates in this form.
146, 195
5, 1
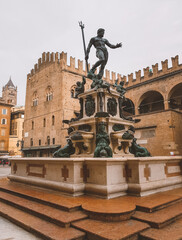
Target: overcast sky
150, 30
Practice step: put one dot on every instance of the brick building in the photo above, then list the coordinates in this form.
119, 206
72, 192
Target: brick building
155, 98
16, 130
7, 101
5, 117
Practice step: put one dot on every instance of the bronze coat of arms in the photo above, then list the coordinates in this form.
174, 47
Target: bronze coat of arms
89, 106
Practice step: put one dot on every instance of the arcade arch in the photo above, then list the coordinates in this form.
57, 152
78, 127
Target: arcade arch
151, 101
175, 97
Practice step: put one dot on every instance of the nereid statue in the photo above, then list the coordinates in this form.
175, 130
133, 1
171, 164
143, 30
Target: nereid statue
137, 150
66, 151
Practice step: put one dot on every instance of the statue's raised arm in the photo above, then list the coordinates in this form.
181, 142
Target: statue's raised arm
101, 51
113, 46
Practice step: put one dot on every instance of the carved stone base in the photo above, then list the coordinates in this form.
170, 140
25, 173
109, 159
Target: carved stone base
101, 177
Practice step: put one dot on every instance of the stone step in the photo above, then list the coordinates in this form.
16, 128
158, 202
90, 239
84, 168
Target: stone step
157, 201
57, 216
161, 217
99, 230
37, 226
47, 197
109, 211
171, 232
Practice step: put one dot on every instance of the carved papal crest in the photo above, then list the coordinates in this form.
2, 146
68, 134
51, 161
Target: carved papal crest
89, 106
112, 106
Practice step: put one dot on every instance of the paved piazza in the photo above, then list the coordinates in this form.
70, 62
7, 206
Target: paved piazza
9, 231
4, 171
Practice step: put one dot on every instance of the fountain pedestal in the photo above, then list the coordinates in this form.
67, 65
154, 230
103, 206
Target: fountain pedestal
100, 107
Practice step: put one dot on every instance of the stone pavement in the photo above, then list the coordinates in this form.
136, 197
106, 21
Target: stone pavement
9, 231
4, 171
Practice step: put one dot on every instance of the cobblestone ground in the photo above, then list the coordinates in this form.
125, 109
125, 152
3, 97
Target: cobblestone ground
8, 230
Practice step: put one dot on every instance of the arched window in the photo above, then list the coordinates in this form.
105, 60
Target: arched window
175, 97
150, 102
53, 120
3, 121
49, 94
35, 99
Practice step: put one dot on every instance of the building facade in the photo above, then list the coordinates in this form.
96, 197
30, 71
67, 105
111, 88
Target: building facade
16, 130
155, 98
50, 86
5, 117
7, 101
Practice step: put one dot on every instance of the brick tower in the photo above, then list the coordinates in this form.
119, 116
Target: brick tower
9, 93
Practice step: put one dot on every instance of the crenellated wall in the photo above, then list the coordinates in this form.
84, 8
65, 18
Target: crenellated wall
148, 72
48, 59
151, 73
162, 81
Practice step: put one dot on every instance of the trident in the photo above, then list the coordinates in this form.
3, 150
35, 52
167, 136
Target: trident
82, 27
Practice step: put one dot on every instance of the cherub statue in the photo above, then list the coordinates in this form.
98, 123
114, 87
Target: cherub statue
80, 87
119, 88
99, 83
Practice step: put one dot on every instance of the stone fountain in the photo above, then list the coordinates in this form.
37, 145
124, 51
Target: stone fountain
102, 157
100, 130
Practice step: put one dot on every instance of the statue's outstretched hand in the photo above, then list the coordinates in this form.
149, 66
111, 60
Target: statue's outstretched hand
119, 45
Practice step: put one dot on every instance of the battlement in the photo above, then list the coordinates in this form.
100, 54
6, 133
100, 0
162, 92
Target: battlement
46, 59
154, 72
61, 60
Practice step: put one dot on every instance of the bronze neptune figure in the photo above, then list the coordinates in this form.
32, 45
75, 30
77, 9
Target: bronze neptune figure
101, 51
